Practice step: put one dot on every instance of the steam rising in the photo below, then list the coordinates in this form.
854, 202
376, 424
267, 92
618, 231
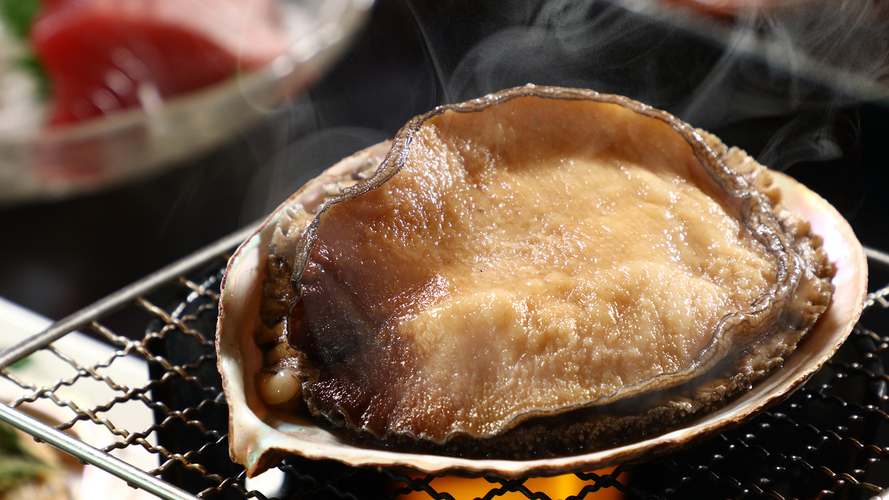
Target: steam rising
783, 74
781, 83
299, 163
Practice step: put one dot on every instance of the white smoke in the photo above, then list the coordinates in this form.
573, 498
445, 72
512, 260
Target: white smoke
787, 75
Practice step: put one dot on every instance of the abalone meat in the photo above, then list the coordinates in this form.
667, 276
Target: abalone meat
540, 274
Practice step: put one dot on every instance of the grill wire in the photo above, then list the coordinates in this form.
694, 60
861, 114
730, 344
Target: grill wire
830, 439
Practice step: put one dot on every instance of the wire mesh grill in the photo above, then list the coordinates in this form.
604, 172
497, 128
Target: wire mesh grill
155, 402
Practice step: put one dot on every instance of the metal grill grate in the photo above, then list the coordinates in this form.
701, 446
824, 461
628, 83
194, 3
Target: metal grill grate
152, 412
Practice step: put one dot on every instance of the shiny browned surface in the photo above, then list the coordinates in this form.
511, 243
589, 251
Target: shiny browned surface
535, 256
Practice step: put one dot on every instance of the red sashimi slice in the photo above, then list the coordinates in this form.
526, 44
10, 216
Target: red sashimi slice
103, 56
730, 8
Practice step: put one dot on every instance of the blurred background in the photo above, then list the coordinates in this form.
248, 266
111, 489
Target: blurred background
800, 84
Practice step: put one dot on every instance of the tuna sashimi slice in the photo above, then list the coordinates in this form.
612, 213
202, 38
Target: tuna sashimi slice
103, 56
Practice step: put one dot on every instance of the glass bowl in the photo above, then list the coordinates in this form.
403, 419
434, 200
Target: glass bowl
134, 144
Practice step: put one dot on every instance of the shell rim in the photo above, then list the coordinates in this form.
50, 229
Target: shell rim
276, 443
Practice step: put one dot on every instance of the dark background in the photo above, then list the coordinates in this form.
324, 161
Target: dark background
57, 257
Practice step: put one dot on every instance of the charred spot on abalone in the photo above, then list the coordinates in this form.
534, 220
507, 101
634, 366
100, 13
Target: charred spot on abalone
539, 258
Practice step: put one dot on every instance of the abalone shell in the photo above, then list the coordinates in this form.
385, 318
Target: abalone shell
541, 272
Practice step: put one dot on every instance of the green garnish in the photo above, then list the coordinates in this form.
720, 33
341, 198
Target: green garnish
19, 470
9, 442
17, 466
18, 15
33, 66
26, 360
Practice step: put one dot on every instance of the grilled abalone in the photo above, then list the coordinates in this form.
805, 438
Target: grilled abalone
542, 272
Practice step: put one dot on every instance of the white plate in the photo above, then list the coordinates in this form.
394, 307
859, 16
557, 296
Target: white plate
43, 369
